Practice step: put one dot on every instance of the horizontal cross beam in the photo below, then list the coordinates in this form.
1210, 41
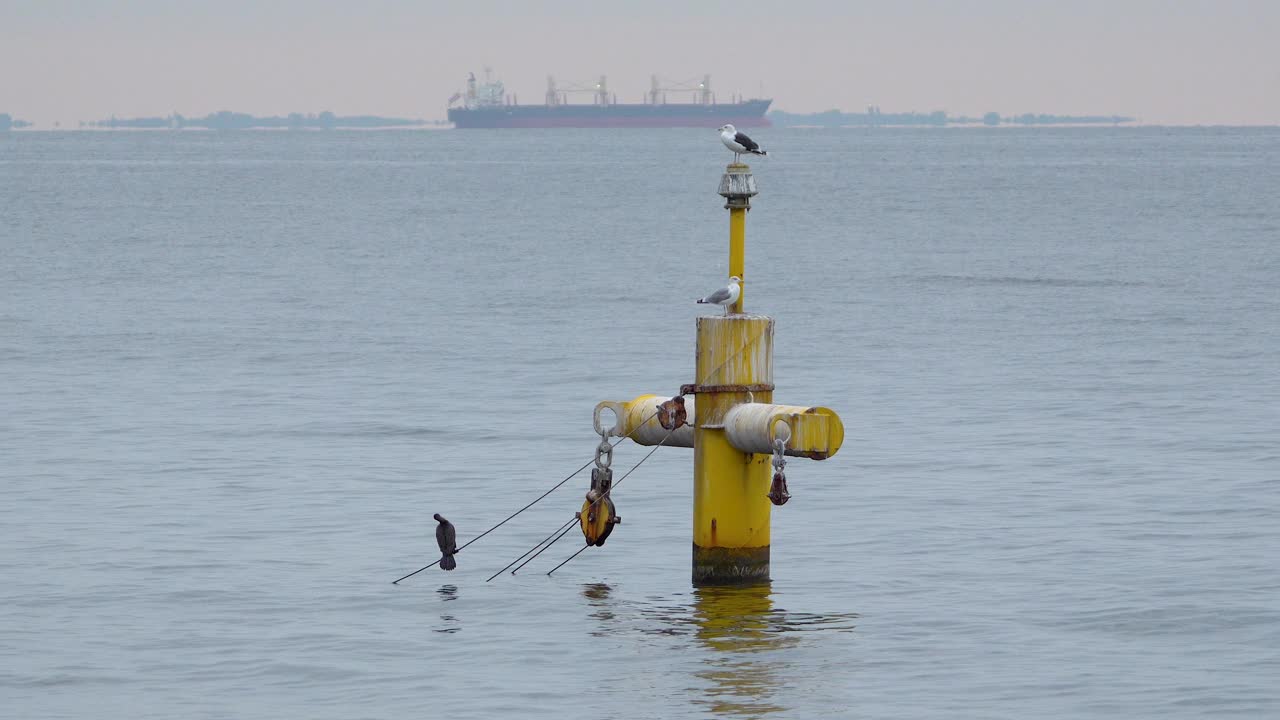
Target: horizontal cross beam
811, 432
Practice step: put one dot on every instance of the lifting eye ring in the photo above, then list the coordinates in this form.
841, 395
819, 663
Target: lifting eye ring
616, 429
781, 431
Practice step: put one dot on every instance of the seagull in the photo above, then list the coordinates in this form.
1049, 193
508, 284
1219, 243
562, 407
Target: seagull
726, 296
446, 539
738, 143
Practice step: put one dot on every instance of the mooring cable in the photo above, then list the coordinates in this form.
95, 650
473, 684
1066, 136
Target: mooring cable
564, 529
536, 500
555, 487
535, 547
566, 560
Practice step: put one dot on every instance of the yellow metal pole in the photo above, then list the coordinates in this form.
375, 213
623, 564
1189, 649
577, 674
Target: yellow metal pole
734, 365
737, 187
738, 251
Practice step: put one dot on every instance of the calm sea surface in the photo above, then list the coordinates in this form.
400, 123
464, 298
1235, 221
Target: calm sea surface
239, 372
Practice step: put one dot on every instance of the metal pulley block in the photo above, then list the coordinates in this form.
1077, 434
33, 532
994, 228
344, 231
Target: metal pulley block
778, 494
597, 518
598, 514
601, 480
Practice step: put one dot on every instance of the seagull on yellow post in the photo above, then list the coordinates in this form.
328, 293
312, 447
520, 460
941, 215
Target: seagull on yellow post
726, 296
738, 142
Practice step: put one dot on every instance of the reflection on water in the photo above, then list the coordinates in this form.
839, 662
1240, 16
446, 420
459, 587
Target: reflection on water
448, 623
597, 595
740, 626
737, 623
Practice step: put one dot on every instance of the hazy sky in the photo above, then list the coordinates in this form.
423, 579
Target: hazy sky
1163, 61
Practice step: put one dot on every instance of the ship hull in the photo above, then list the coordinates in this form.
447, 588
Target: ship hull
744, 115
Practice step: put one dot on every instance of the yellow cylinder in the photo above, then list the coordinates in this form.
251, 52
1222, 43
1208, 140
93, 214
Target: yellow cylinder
731, 507
738, 252
811, 432
638, 420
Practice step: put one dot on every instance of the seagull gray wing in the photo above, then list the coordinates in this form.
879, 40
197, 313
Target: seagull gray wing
745, 142
718, 297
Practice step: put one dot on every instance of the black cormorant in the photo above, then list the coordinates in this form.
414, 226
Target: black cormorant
446, 539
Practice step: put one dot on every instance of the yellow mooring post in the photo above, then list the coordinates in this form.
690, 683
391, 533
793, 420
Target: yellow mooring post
738, 433
730, 487
734, 365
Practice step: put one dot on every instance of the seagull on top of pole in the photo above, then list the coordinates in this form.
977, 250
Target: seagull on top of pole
738, 143
726, 296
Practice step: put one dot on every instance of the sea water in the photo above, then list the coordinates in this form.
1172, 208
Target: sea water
239, 372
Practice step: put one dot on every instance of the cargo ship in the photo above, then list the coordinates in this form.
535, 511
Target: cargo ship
487, 105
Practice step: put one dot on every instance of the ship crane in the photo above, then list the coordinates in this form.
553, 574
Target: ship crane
701, 90
560, 95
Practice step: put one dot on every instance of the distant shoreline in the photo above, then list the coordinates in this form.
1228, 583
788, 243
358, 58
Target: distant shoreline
795, 122
32, 128
874, 117
228, 120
